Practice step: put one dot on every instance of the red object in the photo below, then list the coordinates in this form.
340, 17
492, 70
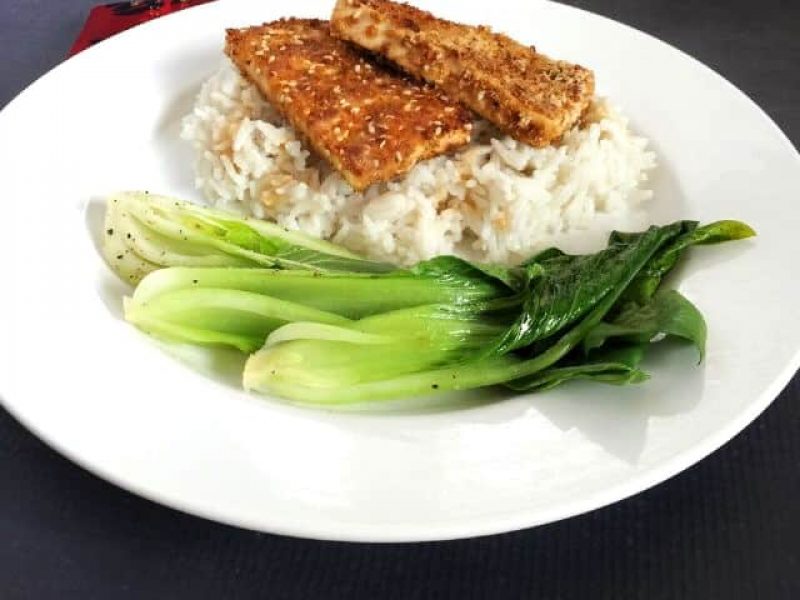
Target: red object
109, 19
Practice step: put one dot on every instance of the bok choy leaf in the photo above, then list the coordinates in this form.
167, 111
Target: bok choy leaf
562, 288
649, 280
667, 314
617, 367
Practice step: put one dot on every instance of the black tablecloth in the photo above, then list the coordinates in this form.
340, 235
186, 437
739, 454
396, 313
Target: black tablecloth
726, 528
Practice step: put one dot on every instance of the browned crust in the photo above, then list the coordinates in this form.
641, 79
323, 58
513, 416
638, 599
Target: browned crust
529, 96
370, 123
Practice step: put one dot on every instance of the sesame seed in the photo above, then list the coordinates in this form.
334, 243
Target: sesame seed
481, 94
371, 128
271, 59
398, 157
438, 131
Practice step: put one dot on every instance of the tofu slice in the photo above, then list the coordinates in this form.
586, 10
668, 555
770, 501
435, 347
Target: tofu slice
527, 95
370, 122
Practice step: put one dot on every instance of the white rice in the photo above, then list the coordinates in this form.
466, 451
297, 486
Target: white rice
495, 200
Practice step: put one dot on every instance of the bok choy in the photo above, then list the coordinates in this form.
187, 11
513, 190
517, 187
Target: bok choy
572, 319
146, 232
325, 326
239, 307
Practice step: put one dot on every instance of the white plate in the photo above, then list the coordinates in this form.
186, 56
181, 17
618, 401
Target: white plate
102, 394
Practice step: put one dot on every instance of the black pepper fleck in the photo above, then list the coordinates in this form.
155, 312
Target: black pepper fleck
110, 231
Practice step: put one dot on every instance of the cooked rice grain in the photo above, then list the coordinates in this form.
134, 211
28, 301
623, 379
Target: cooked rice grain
496, 200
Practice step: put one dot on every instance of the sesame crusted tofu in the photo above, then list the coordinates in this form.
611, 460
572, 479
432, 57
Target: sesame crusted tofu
369, 122
529, 96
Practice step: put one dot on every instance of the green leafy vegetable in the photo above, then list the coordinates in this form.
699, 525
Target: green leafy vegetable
265, 371
451, 268
648, 281
146, 232
667, 314
353, 295
563, 288
241, 306
319, 363
328, 327
220, 317
617, 367
564, 300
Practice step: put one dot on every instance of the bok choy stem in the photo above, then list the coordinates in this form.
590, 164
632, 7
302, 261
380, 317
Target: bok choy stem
145, 232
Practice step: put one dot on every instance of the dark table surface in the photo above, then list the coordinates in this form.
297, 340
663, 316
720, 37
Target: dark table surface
727, 528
